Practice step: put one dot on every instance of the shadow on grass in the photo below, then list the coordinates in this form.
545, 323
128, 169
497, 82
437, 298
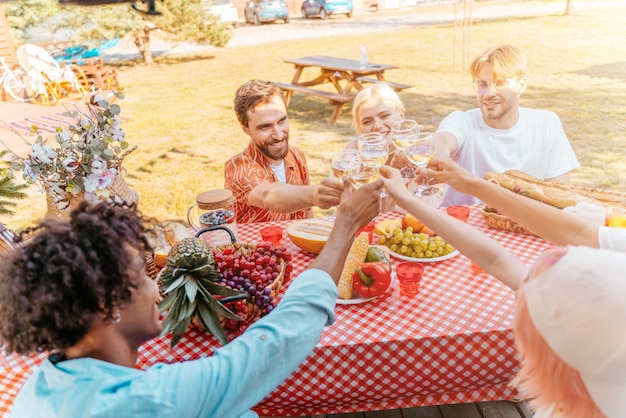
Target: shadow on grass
616, 70
428, 110
152, 165
161, 58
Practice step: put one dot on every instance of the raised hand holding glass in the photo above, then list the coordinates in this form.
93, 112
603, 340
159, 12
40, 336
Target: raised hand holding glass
363, 172
420, 149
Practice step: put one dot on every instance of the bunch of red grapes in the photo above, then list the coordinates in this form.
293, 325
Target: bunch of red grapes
251, 274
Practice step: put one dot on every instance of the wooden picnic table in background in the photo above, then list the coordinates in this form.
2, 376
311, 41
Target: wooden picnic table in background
346, 75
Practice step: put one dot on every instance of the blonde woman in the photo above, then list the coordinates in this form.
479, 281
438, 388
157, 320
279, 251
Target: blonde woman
375, 109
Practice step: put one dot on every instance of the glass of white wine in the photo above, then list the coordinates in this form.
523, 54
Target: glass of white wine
363, 172
373, 146
420, 149
340, 163
401, 129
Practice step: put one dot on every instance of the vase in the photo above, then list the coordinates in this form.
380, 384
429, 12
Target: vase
118, 188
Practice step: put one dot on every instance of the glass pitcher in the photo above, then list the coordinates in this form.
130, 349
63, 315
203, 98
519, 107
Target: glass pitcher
214, 208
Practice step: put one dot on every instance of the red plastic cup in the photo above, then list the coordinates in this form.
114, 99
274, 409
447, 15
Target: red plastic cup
459, 212
272, 234
409, 275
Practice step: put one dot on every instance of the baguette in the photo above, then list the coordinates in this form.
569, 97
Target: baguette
553, 193
549, 195
604, 197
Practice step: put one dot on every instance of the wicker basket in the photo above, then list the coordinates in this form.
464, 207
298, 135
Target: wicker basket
119, 188
151, 269
254, 312
498, 221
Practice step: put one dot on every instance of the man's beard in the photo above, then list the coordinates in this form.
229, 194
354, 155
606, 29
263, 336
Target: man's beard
265, 150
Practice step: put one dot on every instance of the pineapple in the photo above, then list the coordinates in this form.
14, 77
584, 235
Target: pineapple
188, 282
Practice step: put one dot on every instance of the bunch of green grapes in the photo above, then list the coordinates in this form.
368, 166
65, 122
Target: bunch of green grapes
416, 245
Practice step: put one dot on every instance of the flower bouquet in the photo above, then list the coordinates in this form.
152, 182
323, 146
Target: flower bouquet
83, 162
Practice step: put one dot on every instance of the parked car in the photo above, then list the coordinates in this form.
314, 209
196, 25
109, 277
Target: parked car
325, 8
224, 9
261, 11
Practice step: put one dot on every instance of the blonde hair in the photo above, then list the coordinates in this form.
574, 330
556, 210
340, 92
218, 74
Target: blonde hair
544, 378
380, 91
508, 62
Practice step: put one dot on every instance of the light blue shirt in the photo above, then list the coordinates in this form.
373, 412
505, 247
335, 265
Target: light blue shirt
227, 384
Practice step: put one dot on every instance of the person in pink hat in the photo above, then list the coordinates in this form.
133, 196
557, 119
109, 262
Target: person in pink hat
569, 332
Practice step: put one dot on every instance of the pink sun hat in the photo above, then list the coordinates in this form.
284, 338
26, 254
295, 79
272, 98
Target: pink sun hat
579, 307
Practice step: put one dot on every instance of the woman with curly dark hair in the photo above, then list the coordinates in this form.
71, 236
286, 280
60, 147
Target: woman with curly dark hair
79, 291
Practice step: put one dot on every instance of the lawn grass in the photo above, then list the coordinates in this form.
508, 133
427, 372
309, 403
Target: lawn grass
180, 111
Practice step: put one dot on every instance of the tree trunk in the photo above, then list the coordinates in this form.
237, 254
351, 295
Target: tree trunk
568, 7
142, 41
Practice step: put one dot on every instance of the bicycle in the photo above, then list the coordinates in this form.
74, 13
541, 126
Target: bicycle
13, 82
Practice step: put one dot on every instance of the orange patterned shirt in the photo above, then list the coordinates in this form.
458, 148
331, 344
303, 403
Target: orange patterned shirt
248, 169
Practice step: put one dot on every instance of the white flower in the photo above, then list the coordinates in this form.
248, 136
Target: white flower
106, 179
70, 164
91, 182
83, 159
43, 153
98, 167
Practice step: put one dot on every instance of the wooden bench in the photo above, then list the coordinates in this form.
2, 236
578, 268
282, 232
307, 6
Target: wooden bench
396, 86
335, 99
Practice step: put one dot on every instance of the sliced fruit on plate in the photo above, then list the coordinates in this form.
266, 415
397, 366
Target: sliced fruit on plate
310, 234
387, 226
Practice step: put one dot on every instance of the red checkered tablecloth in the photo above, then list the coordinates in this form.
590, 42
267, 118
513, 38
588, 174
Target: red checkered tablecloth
452, 343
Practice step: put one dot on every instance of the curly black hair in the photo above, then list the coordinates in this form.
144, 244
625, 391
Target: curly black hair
65, 273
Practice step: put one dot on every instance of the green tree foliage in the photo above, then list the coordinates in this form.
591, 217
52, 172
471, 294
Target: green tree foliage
180, 20
25, 14
9, 190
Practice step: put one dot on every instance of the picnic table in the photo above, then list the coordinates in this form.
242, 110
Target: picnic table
346, 75
452, 343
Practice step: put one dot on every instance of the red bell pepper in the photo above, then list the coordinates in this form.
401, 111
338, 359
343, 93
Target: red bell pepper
372, 279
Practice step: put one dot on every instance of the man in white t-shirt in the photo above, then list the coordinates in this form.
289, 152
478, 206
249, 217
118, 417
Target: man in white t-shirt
499, 135
270, 179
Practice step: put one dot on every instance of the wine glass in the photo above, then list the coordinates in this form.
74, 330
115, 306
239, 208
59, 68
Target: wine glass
373, 146
402, 129
420, 149
340, 162
363, 172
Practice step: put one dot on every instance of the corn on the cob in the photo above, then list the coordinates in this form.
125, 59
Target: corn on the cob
358, 251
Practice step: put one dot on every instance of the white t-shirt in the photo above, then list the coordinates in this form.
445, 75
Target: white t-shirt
612, 238
279, 171
536, 145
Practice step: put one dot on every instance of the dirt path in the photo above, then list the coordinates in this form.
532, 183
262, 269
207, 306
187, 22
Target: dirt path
363, 22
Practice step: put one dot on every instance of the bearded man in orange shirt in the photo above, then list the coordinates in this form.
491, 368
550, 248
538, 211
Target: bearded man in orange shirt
270, 179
